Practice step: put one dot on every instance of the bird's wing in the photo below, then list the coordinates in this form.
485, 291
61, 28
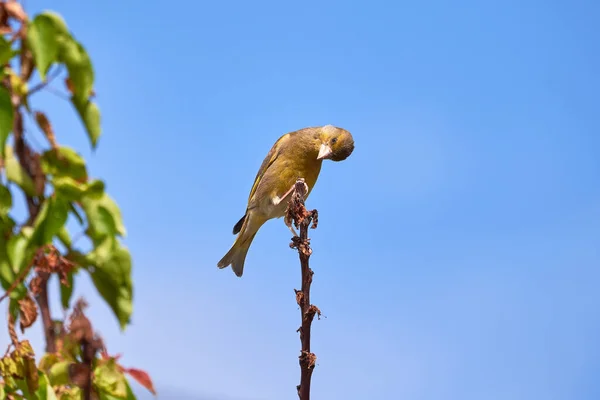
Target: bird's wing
267, 162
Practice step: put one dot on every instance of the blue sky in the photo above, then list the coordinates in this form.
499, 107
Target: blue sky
458, 248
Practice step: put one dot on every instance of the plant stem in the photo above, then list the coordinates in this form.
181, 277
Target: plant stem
27, 160
42, 300
302, 220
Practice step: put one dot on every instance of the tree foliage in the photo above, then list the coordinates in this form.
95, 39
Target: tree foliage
36, 53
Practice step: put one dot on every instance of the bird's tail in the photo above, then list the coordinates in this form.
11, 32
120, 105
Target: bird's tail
236, 256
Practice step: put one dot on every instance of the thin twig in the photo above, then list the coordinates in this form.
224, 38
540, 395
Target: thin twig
12, 332
57, 93
302, 220
51, 76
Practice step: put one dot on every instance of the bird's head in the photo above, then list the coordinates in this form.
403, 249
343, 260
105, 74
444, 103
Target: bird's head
336, 143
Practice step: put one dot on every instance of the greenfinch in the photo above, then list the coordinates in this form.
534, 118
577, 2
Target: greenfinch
295, 155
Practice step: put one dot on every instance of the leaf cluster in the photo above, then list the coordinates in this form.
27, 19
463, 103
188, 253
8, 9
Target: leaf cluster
57, 188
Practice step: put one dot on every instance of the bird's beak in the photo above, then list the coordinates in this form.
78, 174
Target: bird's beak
324, 152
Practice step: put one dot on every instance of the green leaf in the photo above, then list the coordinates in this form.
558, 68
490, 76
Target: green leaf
6, 224
50, 220
64, 161
95, 189
45, 34
66, 291
6, 118
81, 76
79, 65
19, 252
90, 116
56, 219
37, 236
130, 395
6, 53
7, 275
78, 258
103, 251
109, 379
45, 391
104, 217
5, 200
22, 385
71, 393
15, 173
59, 373
69, 189
112, 278
47, 361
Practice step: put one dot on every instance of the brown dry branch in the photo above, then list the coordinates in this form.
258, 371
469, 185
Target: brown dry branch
30, 162
80, 330
48, 260
12, 332
302, 219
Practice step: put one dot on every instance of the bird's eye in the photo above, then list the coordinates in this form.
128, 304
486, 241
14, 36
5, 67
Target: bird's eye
333, 141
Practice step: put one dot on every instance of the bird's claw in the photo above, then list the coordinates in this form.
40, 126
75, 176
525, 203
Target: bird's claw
293, 231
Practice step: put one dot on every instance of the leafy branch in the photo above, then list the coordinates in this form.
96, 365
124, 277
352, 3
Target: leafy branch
55, 185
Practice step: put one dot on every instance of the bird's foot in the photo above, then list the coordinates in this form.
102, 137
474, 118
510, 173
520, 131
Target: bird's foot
293, 230
276, 200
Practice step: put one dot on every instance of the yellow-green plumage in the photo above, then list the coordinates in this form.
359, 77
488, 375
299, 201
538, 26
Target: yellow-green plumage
297, 154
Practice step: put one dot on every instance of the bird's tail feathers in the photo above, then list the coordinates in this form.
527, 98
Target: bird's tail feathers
236, 256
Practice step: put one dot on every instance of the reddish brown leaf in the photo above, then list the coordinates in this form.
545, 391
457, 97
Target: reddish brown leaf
27, 312
142, 377
35, 285
15, 10
80, 326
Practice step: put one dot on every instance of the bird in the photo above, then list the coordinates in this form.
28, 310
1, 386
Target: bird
295, 155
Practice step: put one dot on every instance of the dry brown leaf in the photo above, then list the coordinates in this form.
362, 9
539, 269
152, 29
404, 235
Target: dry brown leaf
28, 312
46, 127
80, 327
35, 285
